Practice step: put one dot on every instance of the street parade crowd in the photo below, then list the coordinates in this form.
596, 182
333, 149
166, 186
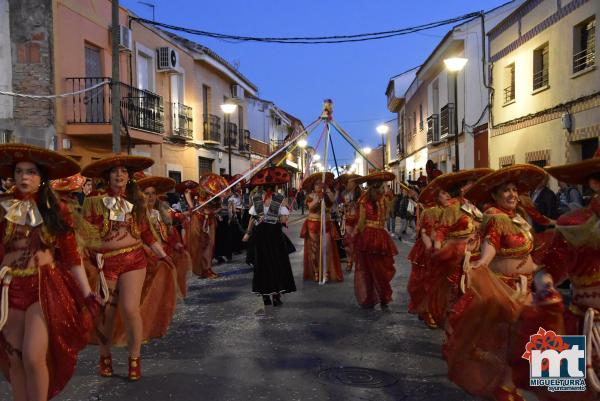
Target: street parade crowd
100, 255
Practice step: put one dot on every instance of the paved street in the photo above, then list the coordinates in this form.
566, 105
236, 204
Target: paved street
223, 345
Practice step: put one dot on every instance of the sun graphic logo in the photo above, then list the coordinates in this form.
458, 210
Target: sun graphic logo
556, 362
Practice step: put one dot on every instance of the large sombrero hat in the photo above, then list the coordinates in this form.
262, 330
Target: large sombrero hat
187, 184
309, 181
342, 180
213, 183
54, 164
132, 163
160, 184
526, 177
379, 176
578, 172
448, 181
68, 184
270, 176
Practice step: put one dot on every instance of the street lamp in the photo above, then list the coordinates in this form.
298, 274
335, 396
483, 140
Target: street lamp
383, 129
316, 158
302, 143
227, 109
454, 65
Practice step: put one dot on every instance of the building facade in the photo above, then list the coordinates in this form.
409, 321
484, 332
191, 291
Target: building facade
546, 103
440, 104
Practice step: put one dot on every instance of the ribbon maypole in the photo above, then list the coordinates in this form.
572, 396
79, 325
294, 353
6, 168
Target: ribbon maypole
326, 116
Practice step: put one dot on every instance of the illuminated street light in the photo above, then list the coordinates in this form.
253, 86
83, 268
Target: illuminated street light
366, 150
455, 65
227, 109
316, 158
302, 143
382, 129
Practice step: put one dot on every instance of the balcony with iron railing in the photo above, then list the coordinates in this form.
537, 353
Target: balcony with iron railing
231, 135
433, 128
509, 94
182, 121
211, 130
446, 120
276, 144
540, 79
140, 109
244, 142
586, 58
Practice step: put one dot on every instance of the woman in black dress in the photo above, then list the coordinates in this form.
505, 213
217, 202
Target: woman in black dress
268, 246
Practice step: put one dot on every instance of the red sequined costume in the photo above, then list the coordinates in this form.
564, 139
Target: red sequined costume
53, 286
201, 238
418, 282
457, 232
116, 261
312, 227
350, 221
574, 253
374, 250
492, 322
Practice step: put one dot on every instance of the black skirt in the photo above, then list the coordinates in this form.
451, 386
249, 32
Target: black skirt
268, 251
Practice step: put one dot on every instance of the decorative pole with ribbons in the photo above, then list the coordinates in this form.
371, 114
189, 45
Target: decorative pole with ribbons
326, 117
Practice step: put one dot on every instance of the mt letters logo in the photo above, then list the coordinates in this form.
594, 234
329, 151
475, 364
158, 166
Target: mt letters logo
556, 362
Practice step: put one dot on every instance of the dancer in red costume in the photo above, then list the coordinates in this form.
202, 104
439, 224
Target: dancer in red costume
120, 216
492, 322
373, 247
350, 195
574, 253
160, 290
434, 200
45, 322
455, 234
311, 230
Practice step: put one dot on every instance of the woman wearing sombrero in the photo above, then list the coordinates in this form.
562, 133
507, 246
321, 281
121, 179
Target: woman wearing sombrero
43, 320
350, 193
268, 246
434, 200
374, 249
203, 224
574, 253
120, 216
318, 191
455, 234
161, 285
161, 217
494, 319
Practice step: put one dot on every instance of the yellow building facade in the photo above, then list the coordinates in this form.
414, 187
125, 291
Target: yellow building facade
546, 101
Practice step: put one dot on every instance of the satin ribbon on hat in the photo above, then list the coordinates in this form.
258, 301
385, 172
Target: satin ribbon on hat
118, 207
22, 212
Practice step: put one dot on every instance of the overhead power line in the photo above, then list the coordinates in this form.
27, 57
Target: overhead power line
311, 40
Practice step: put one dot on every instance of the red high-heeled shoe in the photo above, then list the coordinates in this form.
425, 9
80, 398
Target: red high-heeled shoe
105, 365
135, 368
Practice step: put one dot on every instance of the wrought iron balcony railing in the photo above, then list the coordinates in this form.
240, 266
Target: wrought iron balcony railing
140, 108
509, 93
211, 129
433, 128
446, 119
182, 119
244, 142
540, 78
231, 135
276, 144
585, 58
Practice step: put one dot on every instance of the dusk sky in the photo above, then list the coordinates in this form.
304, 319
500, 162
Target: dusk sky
298, 77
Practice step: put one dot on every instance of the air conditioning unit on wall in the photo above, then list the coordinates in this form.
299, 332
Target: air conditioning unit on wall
168, 59
125, 39
237, 92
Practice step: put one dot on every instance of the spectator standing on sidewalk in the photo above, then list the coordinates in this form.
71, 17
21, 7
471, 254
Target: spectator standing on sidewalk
300, 198
545, 202
401, 210
569, 198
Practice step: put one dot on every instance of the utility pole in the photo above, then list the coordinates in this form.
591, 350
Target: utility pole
115, 84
